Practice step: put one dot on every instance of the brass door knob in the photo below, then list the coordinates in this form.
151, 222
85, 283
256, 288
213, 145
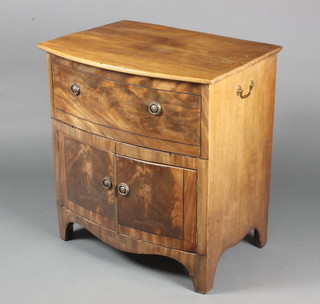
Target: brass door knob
154, 108
123, 189
75, 89
106, 182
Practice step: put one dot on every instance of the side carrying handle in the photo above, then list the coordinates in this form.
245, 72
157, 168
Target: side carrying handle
240, 91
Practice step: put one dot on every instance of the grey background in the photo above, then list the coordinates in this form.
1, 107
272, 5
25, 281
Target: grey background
37, 267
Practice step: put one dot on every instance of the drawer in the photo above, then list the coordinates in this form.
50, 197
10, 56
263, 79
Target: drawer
127, 107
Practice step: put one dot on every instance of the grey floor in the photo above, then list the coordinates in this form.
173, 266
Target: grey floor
37, 267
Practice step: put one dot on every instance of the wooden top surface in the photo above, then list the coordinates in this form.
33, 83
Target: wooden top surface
159, 51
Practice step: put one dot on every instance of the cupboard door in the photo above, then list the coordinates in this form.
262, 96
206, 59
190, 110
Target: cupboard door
157, 203
85, 168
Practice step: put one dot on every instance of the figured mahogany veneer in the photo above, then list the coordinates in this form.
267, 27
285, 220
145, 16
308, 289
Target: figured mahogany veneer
84, 167
122, 106
195, 179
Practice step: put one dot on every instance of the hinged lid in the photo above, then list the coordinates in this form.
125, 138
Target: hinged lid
159, 51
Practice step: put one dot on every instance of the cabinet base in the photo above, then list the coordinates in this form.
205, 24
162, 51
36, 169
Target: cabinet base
201, 268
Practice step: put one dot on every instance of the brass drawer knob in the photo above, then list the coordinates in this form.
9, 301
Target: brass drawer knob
75, 89
106, 182
123, 189
154, 108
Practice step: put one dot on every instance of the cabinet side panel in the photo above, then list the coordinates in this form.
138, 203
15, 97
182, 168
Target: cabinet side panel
240, 133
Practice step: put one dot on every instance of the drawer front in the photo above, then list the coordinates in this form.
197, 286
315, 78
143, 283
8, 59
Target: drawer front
125, 107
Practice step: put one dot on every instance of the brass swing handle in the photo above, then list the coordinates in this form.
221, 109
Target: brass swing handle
240, 91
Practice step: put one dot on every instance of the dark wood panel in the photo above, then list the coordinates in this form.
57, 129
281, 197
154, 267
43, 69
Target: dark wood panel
169, 242
85, 168
155, 156
204, 121
155, 201
92, 216
147, 82
125, 107
122, 136
190, 206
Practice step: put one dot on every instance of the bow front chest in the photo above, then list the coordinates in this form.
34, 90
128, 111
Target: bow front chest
162, 139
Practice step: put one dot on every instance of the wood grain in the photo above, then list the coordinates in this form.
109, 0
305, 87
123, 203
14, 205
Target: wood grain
157, 203
126, 137
233, 184
49, 58
204, 140
160, 51
243, 129
125, 107
86, 167
92, 216
146, 82
156, 156
119, 148
80, 201
199, 175
148, 183
202, 206
240, 133
190, 186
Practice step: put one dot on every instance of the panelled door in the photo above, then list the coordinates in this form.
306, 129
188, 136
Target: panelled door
148, 201
157, 203
87, 179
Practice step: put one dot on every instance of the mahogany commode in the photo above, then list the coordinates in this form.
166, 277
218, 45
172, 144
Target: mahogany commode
162, 139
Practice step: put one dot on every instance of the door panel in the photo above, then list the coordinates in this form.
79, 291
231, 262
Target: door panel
85, 168
156, 209
161, 203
